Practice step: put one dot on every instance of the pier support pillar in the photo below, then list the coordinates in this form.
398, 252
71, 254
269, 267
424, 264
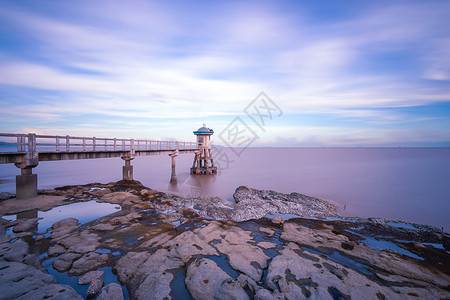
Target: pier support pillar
26, 184
128, 168
173, 177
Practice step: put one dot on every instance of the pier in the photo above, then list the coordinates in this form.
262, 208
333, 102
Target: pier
30, 149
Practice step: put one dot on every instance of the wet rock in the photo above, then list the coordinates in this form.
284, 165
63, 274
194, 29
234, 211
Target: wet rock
21, 281
89, 277
55, 250
53, 291
103, 227
6, 195
255, 204
267, 245
263, 294
277, 220
80, 242
15, 251
123, 198
87, 262
147, 275
243, 256
63, 263
126, 219
94, 288
25, 225
112, 291
269, 231
205, 280
64, 227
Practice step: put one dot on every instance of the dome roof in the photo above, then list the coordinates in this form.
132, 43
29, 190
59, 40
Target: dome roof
204, 130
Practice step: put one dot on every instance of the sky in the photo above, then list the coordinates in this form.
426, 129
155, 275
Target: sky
335, 73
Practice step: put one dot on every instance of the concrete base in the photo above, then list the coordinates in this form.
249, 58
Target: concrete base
173, 179
26, 186
127, 172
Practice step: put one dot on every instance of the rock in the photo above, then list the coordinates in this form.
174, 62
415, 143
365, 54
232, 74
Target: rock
269, 231
123, 198
53, 291
103, 227
80, 242
89, 277
15, 251
6, 195
63, 263
267, 245
263, 294
147, 275
87, 262
94, 288
112, 291
277, 220
21, 281
255, 204
205, 280
125, 219
26, 225
55, 250
64, 227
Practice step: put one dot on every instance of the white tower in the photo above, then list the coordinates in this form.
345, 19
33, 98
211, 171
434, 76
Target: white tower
203, 161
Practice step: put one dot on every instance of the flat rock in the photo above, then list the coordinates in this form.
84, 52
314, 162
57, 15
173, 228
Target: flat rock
26, 225
64, 227
89, 277
255, 204
148, 276
52, 291
55, 250
87, 262
205, 280
15, 251
18, 279
80, 242
41, 202
65, 261
94, 288
123, 198
103, 227
112, 291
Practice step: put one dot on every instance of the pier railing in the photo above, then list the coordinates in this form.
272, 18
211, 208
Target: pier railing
42, 143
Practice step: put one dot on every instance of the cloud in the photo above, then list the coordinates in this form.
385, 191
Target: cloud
144, 61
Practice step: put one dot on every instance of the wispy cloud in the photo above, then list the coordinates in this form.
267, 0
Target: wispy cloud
141, 62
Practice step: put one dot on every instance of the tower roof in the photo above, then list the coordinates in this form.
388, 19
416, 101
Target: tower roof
204, 130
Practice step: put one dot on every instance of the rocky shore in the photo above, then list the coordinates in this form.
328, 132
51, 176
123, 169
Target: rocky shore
162, 246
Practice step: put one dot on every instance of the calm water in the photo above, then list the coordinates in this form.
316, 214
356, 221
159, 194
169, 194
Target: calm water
411, 184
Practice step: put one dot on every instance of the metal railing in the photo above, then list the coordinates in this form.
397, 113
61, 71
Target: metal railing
42, 143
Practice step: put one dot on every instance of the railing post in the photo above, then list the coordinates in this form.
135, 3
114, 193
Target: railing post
84, 143
67, 143
21, 143
57, 143
115, 144
106, 144
93, 143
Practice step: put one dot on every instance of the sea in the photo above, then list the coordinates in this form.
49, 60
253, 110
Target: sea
407, 184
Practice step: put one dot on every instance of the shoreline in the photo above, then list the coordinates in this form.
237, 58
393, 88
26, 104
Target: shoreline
190, 245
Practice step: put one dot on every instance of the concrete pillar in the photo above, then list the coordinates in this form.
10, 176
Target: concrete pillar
127, 170
26, 184
173, 177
